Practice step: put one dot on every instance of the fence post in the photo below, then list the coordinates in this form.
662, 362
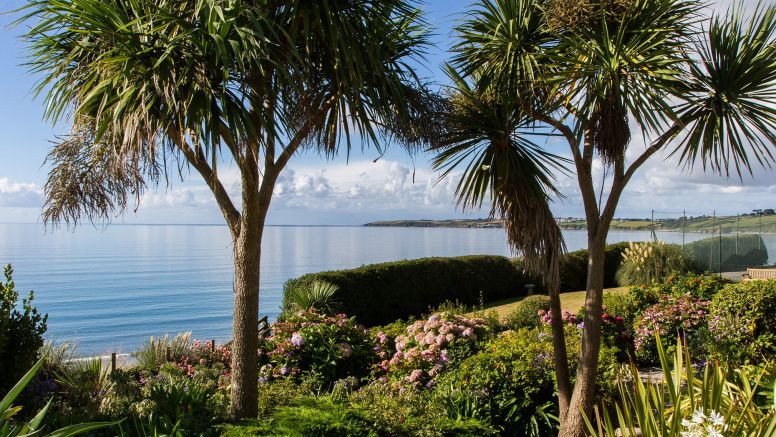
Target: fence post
212, 345
168, 354
112, 362
738, 219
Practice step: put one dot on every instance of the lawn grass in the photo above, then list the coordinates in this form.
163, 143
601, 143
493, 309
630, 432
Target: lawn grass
571, 301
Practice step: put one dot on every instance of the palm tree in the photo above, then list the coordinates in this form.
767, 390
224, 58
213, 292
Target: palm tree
588, 70
151, 87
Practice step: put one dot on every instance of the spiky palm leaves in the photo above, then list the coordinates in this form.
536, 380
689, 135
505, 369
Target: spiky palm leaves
154, 82
486, 137
319, 296
730, 106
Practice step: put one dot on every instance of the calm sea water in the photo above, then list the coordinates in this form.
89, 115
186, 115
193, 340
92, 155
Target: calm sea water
108, 290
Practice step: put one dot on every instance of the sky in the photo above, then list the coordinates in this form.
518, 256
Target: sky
342, 191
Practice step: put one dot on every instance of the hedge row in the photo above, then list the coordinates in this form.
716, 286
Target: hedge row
573, 268
381, 293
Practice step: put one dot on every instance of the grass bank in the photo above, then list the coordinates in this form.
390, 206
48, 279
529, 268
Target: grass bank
571, 301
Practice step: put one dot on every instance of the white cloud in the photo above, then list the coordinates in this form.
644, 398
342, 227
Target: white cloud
19, 194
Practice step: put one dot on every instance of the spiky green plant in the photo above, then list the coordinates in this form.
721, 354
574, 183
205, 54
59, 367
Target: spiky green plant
320, 296
154, 352
9, 427
725, 398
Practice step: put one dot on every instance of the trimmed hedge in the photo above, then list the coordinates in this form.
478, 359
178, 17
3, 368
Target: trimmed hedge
377, 294
573, 268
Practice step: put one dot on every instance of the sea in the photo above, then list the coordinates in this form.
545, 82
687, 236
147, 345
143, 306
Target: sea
109, 289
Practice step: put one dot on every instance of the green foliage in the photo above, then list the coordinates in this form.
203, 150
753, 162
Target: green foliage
21, 332
319, 296
645, 263
702, 287
10, 427
381, 293
374, 410
742, 322
573, 267
737, 252
718, 399
526, 313
154, 352
511, 381
399, 411
307, 342
193, 404
81, 383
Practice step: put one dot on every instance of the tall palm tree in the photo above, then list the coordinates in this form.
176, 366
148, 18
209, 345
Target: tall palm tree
588, 70
151, 87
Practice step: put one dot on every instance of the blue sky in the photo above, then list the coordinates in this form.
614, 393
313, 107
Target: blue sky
315, 191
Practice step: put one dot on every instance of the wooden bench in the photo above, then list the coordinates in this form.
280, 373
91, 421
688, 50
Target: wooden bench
759, 274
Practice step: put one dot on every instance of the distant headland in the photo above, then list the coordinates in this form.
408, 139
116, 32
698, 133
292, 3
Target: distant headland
752, 222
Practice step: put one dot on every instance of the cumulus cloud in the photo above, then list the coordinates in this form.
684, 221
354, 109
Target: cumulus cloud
360, 186
19, 194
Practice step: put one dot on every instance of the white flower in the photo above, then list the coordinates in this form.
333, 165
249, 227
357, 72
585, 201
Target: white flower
698, 416
717, 419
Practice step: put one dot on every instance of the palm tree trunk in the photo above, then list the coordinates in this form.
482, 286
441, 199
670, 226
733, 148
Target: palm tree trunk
561, 356
245, 344
583, 398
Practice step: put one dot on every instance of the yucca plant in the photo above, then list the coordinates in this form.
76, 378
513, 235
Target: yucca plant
320, 296
154, 352
688, 402
35, 426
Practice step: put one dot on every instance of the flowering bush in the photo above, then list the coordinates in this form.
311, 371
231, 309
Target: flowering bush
568, 317
432, 345
333, 347
702, 287
203, 356
742, 322
684, 315
526, 313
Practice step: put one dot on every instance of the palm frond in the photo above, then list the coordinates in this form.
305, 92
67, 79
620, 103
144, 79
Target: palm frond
486, 135
319, 296
730, 115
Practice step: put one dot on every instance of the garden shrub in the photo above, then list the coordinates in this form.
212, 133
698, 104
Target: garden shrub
21, 332
698, 286
381, 293
154, 352
431, 346
513, 379
652, 261
401, 411
526, 312
333, 347
194, 402
684, 315
370, 412
742, 322
573, 267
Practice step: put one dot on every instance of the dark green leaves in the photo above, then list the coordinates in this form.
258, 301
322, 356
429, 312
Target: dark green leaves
730, 107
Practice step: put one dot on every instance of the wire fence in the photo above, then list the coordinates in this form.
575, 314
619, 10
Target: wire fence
717, 243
